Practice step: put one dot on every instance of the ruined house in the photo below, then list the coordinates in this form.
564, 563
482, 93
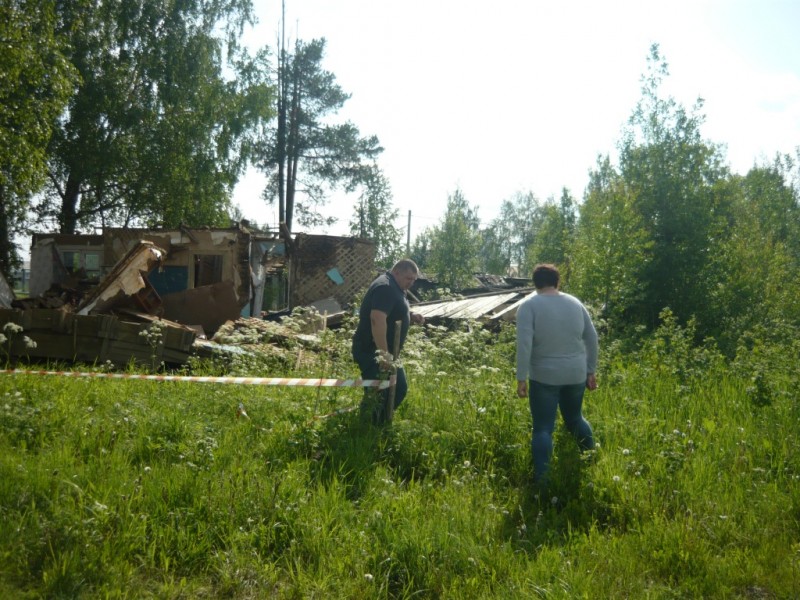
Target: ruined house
211, 275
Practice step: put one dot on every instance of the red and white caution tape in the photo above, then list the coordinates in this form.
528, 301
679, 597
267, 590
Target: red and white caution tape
275, 381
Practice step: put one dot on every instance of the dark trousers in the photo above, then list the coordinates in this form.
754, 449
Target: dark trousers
375, 401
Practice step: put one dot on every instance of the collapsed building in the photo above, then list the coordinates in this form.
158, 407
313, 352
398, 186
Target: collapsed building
91, 296
97, 298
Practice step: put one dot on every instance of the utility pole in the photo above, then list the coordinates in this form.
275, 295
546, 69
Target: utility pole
408, 235
283, 97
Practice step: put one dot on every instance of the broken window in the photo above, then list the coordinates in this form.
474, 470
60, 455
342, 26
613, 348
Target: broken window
72, 261
167, 279
275, 292
91, 262
207, 269
75, 261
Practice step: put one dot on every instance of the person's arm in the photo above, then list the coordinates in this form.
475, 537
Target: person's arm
524, 347
378, 323
590, 341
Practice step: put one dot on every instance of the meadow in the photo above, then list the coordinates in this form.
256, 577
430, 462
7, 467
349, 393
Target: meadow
136, 489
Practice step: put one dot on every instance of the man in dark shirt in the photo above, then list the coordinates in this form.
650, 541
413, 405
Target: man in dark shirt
383, 305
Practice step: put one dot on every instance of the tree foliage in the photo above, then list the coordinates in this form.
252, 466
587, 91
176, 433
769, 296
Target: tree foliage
375, 216
35, 83
420, 251
506, 241
554, 233
455, 243
305, 155
673, 229
611, 248
671, 173
754, 271
155, 132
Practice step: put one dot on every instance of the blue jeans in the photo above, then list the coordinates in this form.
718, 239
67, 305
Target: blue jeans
370, 370
544, 399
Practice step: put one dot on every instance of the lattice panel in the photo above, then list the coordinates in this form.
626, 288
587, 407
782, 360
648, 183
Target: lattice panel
314, 256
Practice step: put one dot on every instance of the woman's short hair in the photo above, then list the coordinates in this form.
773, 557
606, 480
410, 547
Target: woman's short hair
545, 275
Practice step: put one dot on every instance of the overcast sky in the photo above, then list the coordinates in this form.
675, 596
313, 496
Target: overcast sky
505, 96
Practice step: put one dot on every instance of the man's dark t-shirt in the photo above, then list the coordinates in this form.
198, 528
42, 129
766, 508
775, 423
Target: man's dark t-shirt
386, 296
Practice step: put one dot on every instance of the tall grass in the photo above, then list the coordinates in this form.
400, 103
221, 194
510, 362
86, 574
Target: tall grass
130, 489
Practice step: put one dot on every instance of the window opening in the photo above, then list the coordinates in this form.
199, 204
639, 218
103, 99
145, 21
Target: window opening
207, 269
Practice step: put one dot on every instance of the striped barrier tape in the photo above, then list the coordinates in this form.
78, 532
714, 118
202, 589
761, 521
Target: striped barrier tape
275, 381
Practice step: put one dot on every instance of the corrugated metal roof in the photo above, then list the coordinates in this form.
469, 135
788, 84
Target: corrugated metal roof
509, 312
473, 307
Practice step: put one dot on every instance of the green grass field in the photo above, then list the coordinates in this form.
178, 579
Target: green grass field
135, 489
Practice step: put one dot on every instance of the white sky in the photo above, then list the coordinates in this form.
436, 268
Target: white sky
505, 96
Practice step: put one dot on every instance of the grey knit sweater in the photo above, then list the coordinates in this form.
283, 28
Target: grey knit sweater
556, 340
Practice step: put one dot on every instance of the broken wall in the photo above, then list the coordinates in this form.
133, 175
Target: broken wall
6, 293
323, 266
48, 253
194, 257
268, 274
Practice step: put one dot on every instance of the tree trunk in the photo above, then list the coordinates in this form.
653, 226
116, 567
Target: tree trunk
292, 151
281, 142
7, 255
68, 217
282, 103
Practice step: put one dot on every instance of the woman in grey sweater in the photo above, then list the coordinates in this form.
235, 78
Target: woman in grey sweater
556, 362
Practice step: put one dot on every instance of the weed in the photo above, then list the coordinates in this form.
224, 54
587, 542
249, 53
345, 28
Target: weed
124, 488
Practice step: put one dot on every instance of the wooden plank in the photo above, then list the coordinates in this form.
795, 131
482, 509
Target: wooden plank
56, 346
92, 338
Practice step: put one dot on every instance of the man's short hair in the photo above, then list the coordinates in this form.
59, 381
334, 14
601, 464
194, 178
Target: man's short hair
545, 275
405, 265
